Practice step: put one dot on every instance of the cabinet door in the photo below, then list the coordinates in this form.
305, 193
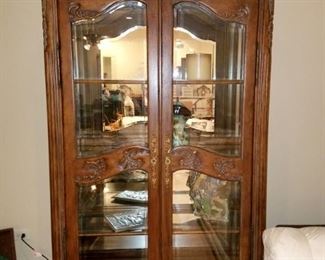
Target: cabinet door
110, 128
208, 76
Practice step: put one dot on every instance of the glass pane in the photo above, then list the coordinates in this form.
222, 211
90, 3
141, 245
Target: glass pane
112, 45
208, 79
113, 217
206, 47
110, 79
206, 217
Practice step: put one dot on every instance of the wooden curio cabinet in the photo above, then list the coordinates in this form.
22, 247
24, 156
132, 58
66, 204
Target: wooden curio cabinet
157, 114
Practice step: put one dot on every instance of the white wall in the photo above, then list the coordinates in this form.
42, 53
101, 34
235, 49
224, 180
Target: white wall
296, 180
296, 172
24, 170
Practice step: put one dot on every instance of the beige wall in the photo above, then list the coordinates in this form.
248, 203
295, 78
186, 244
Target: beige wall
296, 172
24, 181
296, 180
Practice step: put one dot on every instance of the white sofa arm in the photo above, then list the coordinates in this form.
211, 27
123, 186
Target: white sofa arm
285, 243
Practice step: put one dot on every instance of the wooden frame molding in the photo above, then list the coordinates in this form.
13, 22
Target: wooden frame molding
262, 95
55, 126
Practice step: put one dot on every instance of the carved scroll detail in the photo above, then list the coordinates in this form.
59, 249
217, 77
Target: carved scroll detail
223, 167
154, 160
238, 15
94, 169
190, 159
76, 13
130, 161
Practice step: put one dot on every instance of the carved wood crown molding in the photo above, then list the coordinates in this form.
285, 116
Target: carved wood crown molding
77, 14
94, 170
240, 14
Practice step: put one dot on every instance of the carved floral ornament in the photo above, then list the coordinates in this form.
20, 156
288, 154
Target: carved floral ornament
234, 15
77, 13
131, 159
224, 167
94, 170
190, 159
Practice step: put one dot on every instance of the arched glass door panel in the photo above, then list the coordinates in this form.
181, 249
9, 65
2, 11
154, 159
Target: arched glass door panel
113, 217
206, 217
110, 79
208, 76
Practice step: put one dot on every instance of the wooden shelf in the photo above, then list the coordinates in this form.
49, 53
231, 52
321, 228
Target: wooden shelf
212, 81
109, 81
185, 246
175, 82
138, 241
193, 97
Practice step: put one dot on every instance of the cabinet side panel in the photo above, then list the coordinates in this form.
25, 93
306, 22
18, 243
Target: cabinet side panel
266, 12
54, 110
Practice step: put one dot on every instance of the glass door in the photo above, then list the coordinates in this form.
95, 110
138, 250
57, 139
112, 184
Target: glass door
111, 94
207, 113
208, 146
111, 129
